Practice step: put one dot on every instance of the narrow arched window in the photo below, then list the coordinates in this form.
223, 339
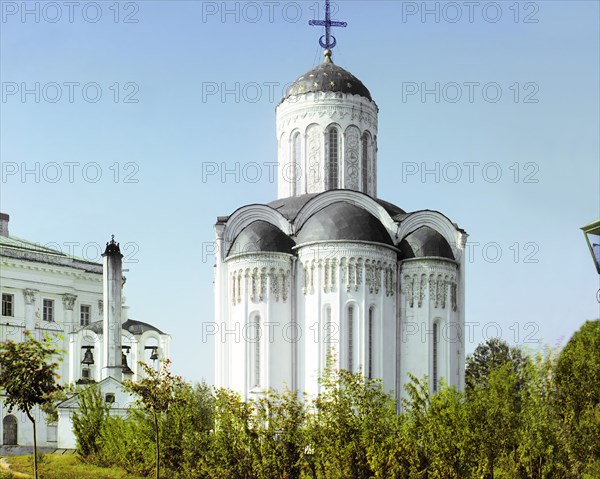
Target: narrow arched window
364, 163
326, 330
434, 358
350, 338
370, 343
333, 143
254, 340
296, 170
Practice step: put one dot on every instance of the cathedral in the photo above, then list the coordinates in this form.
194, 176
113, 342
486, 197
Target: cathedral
328, 269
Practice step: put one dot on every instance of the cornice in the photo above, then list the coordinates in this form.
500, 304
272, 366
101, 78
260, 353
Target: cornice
48, 268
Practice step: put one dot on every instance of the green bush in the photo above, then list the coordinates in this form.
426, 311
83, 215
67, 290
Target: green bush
128, 443
88, 421
522, 417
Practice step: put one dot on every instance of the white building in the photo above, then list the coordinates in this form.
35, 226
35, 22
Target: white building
329, 266
47, 291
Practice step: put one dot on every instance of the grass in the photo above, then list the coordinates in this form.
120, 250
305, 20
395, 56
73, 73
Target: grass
57, 466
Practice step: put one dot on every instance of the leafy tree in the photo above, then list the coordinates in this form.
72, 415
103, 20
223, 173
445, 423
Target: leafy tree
29, 377
156, 392
127, 442
49, 408
494, 353
578, 369
89, 420
234, 441
577, 375
541, 452
493, 409
281, 422
186, 429
348, 419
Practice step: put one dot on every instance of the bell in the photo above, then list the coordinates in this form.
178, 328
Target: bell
88, 357
124, 365
154, 355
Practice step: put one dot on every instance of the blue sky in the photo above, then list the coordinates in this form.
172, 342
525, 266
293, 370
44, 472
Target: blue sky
185, 89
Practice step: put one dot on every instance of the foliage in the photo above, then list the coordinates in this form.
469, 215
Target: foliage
49, 407
186, 429
522, 417
29, 376
88, 421
488, 356
234, 441
347, 420
577, 374
280, 419
127, 443
155, 392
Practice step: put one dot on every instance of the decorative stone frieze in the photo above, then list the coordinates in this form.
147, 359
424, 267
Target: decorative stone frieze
354, 265
259, 276
436, 277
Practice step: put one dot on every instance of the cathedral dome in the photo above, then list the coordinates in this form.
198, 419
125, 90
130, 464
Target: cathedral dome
343, 221
261, 236
328, 77
424, 242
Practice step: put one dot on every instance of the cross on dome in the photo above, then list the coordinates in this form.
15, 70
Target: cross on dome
330, 40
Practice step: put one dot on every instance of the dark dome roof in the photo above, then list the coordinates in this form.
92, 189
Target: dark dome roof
343, 221
425, 242
291, 206
261, 236
328, 77
131, 325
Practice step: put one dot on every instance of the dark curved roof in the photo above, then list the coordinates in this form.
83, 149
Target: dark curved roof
424, 242
343, 221
261, 236
131, 325
328, 77
291, 206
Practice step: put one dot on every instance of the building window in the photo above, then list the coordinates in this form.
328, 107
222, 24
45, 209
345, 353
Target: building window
8, 304
326, 330
350, 338
48, 310
254, 341
109, 398
434, 372
332, 158
365, 163
84, 314
85, 373
297, 167
370, 343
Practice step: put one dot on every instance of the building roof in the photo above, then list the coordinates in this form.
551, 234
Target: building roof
261, 236
290, 207
343, 221
424, 242
18, 248
132, 326
328, 77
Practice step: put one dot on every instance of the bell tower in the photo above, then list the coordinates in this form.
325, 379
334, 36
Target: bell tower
113, 299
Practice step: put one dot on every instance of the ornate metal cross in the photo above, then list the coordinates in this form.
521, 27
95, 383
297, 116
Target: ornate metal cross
330, 41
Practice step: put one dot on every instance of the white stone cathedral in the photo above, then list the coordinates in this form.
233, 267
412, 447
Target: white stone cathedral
329, 266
